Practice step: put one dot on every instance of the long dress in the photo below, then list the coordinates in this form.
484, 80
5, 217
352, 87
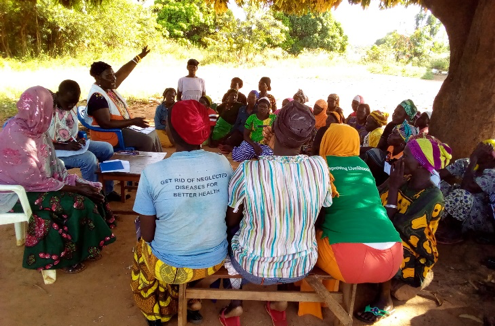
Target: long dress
474, 210
65, 229
416, 220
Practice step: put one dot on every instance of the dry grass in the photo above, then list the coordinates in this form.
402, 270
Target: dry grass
317, 74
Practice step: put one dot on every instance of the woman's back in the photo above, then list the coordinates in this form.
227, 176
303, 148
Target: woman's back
282, 196
188, 195
357, 215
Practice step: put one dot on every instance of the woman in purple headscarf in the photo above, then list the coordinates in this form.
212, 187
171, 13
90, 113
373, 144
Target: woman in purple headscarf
70, 221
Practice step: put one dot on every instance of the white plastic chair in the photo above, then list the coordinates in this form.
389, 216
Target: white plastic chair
20, 220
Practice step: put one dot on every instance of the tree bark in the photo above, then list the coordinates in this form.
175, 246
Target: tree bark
464, 109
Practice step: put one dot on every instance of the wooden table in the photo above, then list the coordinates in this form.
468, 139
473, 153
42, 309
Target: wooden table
138, 163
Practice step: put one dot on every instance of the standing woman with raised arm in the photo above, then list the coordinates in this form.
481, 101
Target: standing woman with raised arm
109, 109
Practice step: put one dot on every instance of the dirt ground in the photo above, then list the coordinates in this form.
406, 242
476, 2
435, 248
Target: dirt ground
101, 294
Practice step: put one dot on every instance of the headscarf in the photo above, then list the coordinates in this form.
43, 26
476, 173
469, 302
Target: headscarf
321, 118
191, 121
322, 104
359, 98
490, 142
336, 98
256, 93
208, 99
430, 153
380, 117
337, 115
406, 130
339, 140
265, 99
300, 93
294, 125
27, 154
410, 108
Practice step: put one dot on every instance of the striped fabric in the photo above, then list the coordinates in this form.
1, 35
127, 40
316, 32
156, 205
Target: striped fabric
282, 196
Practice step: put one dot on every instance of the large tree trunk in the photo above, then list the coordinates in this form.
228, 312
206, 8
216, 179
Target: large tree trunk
464, 109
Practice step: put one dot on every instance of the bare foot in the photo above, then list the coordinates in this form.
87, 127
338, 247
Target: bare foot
233, 311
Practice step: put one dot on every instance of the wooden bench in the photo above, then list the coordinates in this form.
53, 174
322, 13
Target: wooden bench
340, 303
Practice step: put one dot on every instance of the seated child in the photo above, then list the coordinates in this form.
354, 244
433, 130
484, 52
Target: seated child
254, 144
161, 114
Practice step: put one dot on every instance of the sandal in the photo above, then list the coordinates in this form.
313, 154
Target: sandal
377, 312
194, 317
279, 318
74, 269
230, 321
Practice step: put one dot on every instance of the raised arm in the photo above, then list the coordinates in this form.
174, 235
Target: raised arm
126, 69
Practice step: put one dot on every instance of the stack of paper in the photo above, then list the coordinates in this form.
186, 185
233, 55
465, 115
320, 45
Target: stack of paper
115, 166
64, 153
142, 130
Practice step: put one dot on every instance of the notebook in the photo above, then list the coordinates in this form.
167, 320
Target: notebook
115, 166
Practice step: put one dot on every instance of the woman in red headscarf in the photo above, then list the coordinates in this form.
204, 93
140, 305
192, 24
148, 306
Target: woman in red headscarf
182, 202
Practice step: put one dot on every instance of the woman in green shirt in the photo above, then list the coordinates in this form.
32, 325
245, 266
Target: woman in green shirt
254, 142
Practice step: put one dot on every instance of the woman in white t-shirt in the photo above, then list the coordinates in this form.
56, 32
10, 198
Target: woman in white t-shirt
191, 87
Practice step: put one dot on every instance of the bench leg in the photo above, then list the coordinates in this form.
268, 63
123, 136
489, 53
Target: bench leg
182, 315
332, 304
20, 233
349, 296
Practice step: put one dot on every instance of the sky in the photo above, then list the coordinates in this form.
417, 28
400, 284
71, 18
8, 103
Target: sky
362, 26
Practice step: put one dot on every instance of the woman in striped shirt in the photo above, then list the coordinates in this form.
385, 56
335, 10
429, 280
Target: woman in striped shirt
275, 202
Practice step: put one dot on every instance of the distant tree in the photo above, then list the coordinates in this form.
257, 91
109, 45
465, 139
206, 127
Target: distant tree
258, 31
419, 48
35, 28
464, 109
312, 31
191, 21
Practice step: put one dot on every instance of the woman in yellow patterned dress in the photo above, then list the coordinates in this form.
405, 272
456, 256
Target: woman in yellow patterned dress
414, 204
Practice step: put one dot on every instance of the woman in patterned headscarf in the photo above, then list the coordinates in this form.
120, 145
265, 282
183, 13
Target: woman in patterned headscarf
71, 221
405, 111
467, 204
414, 205
380, 161
374, 125
259, 202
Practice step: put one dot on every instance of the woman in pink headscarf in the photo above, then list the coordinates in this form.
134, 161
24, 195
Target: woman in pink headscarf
70, 221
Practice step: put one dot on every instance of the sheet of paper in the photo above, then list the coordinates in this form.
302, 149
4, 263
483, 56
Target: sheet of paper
142, 130
62, 153
126, 166
387, 168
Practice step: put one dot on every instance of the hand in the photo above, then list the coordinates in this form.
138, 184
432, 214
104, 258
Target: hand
82, 141
397, 178
73, 146
140, 122
144, 52
257, 149
482, 150
91, 192
269, 137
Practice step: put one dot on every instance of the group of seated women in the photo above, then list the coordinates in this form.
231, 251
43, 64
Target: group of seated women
365, 207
